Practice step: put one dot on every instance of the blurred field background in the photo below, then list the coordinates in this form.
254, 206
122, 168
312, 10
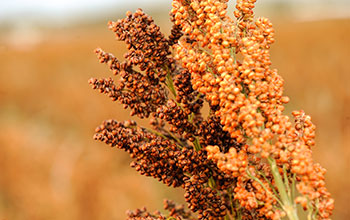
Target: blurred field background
51, 168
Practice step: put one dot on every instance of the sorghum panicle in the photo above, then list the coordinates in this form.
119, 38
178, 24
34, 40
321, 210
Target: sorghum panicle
244, 160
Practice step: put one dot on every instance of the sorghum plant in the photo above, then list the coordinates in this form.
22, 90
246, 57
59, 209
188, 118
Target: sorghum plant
246, 159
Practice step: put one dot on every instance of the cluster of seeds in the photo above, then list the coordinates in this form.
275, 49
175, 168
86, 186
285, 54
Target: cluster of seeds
191, 100
246, 158
176, 212
143, 214
211, 133
203, 199
230, 64
177, 118
157, 157
148, 50
148, 47
176, 32
135, 90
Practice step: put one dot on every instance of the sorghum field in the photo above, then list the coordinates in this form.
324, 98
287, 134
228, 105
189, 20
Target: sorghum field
51, 168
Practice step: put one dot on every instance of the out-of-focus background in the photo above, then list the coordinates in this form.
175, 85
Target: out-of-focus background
51, 168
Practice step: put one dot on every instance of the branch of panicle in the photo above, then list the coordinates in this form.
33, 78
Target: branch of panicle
249, 96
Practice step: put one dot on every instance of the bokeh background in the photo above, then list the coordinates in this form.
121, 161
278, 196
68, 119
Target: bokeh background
51, 168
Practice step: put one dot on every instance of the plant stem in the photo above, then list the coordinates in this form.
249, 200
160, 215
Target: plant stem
286, 182
197, 145
227, 217
177, 141
211, 183
263, 186
170, 83
287, 205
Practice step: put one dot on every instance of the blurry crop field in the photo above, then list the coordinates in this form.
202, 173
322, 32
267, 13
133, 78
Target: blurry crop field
51, 168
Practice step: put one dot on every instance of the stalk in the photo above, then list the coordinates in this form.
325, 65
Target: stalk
287, 205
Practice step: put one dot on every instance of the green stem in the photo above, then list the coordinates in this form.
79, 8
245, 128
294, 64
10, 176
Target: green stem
156, 133
239, 214
293, 186
163, 136
287, 205
227, 217
211, 183
231, 202
190, 117
170, 83
279, 182
269, 182
286, 182
263, 186
309, 215
197, 145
